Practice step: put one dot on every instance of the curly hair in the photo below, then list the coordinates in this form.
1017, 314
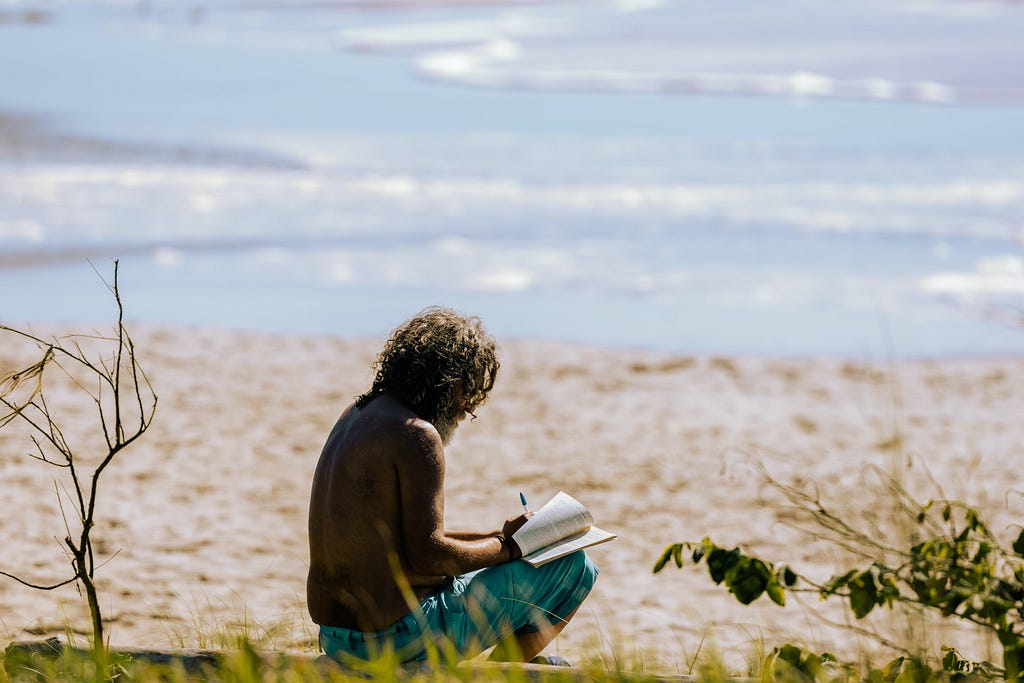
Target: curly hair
437, 364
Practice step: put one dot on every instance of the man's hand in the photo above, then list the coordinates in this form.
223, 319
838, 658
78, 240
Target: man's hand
512, 525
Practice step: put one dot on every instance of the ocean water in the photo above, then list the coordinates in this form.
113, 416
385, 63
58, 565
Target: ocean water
780, 178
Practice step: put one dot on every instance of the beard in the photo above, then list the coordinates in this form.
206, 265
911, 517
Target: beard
446, 424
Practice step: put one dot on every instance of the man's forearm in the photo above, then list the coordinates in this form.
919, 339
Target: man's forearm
454, 556
451, 552
508, 549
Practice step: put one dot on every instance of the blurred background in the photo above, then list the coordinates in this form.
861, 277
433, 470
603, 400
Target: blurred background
770, 177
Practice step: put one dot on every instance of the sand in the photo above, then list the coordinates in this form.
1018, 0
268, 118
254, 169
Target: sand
203, 520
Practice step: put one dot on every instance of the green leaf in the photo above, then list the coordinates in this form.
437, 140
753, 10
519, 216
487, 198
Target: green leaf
698, 554
720, 561
908, 672
863, 593
953, 662
889, 589
677, 555
893, 668
664, 557
792, 663
776, 593
748, 579
788, 576
1018, 545
791, 654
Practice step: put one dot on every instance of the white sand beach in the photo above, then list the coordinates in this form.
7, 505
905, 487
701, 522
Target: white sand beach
203, 520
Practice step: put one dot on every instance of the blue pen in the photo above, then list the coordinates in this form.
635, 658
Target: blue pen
522, 499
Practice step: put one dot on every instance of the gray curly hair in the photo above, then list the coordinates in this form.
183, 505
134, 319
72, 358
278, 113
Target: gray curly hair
438, 363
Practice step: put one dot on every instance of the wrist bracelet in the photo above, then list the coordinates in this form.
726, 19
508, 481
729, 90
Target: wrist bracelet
506, 545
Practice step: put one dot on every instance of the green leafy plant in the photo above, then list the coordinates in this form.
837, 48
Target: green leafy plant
793, 663
745, 576
959, 569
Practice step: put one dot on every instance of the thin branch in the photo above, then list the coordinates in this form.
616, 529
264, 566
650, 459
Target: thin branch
87, 543
11, 382
56, 435
841, 532
42, 454
869, 633
854, 546
109, 559
60, 504
67, 554
38, 428
136, 371
74, 380
119, 355
40, 587
111, 289
98, 399
57, 349
73, 471
76, 555
42, 457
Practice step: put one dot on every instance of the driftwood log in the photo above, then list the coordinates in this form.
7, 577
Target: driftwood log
23, 656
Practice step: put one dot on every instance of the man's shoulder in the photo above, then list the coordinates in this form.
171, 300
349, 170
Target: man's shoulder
394, 421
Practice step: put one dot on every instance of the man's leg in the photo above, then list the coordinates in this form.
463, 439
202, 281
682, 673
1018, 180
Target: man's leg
524, 646
521, 608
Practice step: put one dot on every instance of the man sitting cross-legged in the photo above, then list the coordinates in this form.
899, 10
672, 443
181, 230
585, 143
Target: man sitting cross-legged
385, 574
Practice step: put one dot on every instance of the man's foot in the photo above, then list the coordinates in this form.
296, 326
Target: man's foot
550, 660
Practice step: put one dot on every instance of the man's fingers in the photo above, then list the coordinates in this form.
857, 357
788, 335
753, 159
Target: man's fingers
513, 524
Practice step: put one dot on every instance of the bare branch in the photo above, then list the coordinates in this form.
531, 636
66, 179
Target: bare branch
42, 454
60, 504
40, 587
64, 549
87, 544
110, 288
103, 419
109, 559
111, 373
44, 432
10, 383
117, 359
869, 633
43, 343
55, 435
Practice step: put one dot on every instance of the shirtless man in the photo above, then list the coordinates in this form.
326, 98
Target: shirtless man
385, 573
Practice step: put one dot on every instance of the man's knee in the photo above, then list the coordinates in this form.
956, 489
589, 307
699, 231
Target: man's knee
581, 568
576, 573
568, 585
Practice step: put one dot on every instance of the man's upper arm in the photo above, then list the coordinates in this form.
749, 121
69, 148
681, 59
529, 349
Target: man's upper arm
420, 468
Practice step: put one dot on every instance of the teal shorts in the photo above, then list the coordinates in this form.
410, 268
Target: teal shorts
475, 612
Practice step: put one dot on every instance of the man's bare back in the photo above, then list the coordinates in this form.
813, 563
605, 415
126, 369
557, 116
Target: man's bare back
355, 521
